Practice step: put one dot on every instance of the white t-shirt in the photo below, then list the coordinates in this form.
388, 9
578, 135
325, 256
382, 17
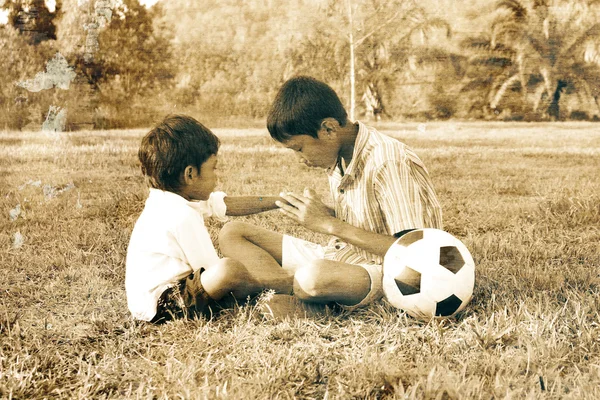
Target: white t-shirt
169, 241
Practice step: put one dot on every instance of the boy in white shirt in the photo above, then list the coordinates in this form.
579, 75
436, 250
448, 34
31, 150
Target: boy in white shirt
172, 267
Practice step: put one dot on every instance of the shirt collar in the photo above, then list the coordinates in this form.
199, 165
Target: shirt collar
166, 196
206, 208
359, 145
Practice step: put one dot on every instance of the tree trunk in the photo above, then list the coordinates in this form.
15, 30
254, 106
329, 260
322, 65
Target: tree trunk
352, 73
554, 107
374, 102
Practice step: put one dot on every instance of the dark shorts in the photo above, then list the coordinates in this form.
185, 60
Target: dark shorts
186, 299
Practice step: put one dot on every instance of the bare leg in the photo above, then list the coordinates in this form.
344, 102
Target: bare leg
325, 281
229, 276
259, 250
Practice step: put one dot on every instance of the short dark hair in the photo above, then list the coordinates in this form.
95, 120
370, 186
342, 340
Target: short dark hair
300, 106
173, 144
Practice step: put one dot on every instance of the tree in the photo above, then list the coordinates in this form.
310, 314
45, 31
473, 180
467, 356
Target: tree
27, 41
33, 19
124, 63
368, 43
231, 54
17, 105
386, 53
538, 50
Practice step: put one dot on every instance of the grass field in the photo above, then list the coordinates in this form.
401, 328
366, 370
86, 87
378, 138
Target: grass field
525, 199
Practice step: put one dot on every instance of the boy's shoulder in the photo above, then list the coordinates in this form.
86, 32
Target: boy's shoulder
381, 147
166, 209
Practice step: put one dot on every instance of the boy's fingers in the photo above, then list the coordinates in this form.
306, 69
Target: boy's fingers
293, 199
288, 213
286, 207
290, 199
300, 197
311, 194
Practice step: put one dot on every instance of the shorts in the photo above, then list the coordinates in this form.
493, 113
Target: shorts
296, 253
186, 299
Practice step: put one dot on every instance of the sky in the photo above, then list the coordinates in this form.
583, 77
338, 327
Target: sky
51, 4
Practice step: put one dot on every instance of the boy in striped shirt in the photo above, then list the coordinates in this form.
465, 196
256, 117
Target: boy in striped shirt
379, 188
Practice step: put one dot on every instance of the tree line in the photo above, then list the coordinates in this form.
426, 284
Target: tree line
117, 64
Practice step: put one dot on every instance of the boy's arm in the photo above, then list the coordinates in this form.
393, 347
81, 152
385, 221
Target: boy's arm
314, 215
246, 205
406, 198
372, 242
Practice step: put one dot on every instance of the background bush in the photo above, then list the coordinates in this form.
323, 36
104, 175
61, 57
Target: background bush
224, 60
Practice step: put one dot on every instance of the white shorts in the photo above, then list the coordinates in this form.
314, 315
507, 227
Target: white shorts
296, 253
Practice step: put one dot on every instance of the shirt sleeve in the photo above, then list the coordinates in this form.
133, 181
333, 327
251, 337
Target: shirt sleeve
195, 242
406, 196
214, 207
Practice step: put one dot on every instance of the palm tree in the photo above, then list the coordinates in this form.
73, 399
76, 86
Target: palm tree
384, 56
489, 72
364, 45
540, 49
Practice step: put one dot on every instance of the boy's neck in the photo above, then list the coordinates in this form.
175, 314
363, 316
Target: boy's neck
348, 134
182, 194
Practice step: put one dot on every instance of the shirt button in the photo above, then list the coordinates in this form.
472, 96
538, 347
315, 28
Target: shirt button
342, 191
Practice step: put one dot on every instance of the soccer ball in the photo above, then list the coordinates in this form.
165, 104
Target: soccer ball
428, 273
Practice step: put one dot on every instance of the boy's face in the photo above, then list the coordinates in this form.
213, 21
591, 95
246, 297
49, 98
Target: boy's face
199, 184
321, 152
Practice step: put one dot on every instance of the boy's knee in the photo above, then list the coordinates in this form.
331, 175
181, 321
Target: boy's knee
310, 282
231, 231
229, 273
226, 277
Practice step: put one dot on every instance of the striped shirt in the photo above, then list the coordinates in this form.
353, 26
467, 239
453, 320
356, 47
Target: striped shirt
385, 189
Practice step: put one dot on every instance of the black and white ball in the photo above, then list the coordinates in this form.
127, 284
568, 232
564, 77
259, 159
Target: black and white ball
428, 273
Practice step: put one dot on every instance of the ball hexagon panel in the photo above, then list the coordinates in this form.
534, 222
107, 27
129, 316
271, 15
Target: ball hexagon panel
448, 306
451, 259
408, 281
410, 238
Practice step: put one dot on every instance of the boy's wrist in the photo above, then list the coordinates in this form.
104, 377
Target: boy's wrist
334, 226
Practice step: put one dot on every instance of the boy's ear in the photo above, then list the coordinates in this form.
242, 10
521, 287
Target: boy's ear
328, 127
189, 173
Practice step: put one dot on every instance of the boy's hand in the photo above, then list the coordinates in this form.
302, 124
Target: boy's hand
308, 210
311, 194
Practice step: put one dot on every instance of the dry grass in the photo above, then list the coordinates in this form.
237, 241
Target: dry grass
524, 198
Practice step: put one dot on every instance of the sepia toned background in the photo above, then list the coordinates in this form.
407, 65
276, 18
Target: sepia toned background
122, 64
485, 92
